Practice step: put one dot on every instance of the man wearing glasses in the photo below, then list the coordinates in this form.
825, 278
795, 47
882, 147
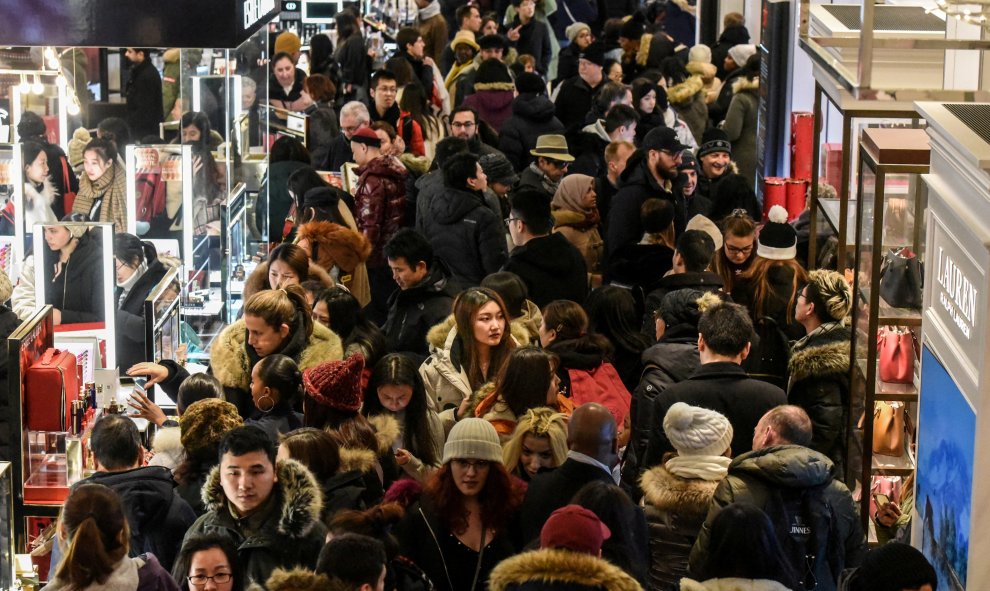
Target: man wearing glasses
464, 124
552, 161
650, 174
384, 89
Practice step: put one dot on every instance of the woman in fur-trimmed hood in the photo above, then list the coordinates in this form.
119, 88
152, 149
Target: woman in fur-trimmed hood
259, 280
291, 533
677, 492
551, 569
493, 93
686, 94
741, 118
332, 246
819, 364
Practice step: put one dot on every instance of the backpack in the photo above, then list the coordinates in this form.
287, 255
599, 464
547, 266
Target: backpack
602, 385
805, 525
150, 191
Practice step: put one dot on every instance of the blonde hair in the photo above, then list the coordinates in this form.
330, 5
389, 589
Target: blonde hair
538, 422
280, 306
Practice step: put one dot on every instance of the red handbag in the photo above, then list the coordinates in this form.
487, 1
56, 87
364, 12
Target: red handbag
50, 385
897, 351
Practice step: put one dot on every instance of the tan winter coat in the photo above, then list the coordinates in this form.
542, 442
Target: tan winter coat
588, 241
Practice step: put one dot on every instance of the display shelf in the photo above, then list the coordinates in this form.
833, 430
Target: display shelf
889, 391
893, 465
832, 209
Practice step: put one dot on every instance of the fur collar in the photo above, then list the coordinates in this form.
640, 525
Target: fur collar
387, 430
300, 497
567, 217
338, 245
355, 458
743, 84
821, 360
560, 566
667, 492
167, 440
643, 53
479, 86
301, 579
258, 279
440, 334
731, 584
229, 360
685, 91
705, 70
47, 193
418, 165
124, 577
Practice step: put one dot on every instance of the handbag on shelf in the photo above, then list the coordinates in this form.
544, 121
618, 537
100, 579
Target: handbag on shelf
901, 279
896, 351
888, 428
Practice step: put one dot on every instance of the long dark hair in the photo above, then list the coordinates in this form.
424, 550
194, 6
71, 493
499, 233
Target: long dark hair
610, 311
133, 251
525, 379
314, 448
207, 541
466, 306
347, 319
616, 510
743, 544
346, 22
280, 373
499, 498
398, 370
414, 100
570, 321
93, 518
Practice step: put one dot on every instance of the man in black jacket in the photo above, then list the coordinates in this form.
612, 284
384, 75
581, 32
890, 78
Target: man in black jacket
576, 95
156, 515
692, 270
619, 124
425, 293
720, 384
551, 267
463, 231
353, 116
384, 90
650, 174
593, 448
144, 94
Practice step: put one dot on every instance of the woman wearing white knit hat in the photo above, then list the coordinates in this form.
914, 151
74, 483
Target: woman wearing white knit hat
458, 531
678, 491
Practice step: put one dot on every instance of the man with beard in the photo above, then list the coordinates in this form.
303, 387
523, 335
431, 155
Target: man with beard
693, 203
719, 182
650, 174
464, 123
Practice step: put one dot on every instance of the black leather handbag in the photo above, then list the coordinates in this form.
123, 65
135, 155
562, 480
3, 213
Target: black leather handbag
901, 279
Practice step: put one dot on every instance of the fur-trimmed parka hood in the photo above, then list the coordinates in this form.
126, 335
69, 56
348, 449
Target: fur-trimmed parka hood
229, 359
301, 579
417, 165
387, 430
743, 84
822, 357
560, 566
332, 245
437, 336
667, 492
258, 279
732, 584
365, 460
705, 70
653, 49
685, 92
300, 497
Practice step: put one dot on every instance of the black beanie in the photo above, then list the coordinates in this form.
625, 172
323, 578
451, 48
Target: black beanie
892, 567
530, 82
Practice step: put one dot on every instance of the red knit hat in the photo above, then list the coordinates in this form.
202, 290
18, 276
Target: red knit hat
367, 136
336, 384
575, 528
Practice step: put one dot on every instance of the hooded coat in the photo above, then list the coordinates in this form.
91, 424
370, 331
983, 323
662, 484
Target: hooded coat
589, 148
291, 535
675, 509
357, 485
413, 312
130, 320
532, 116
637, 185
231, 363
752, 478
257, 281
443, 373
819, 383
466, 234
336, 247
156, 515
740, 125
708, 72
552, 269
688, 99
380, 204
493, 101
552, 569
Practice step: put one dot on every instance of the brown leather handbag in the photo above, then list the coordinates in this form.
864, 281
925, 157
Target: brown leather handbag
888, 428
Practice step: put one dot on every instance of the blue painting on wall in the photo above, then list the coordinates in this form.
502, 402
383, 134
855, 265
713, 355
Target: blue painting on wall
946, 440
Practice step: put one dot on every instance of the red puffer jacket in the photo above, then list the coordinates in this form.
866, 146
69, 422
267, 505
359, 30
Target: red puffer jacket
379, 203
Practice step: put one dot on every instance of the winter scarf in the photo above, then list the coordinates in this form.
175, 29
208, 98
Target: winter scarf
112, 189
700, 467
548, 185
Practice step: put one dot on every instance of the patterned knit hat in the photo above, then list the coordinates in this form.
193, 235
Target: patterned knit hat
777, 240
287, 42
80, 137
336, 384
695, 431
714, 140
205, 422
473, 439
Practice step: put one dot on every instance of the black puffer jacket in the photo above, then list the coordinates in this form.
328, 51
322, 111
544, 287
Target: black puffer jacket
130, 317
819, 383
670, 361
466, 234
552, 269
78, 290
703, 280
638, 184
414, 311
532, 116
156, 515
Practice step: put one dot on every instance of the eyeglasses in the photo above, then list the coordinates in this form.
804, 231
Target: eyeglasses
735, 250
462, 124
466, 465
509, 220
200, 580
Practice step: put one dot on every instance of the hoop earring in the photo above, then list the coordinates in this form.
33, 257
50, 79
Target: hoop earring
266, 410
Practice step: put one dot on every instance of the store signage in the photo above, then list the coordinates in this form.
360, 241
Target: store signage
255, 11
958, 294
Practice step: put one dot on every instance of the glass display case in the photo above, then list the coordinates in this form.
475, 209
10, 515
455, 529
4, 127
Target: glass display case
160, 193
7, 547
241, 249
163, 324
886, 315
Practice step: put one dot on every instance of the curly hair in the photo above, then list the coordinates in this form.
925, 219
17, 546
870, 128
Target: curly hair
499, 498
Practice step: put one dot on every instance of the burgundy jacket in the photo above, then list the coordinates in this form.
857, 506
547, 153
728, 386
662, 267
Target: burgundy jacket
379, 204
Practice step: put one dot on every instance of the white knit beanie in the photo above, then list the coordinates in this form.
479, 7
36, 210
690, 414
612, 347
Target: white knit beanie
574, 29
700, 53
473, 439
695, 431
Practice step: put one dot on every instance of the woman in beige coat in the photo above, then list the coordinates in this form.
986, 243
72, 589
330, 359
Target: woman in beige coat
575, 215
